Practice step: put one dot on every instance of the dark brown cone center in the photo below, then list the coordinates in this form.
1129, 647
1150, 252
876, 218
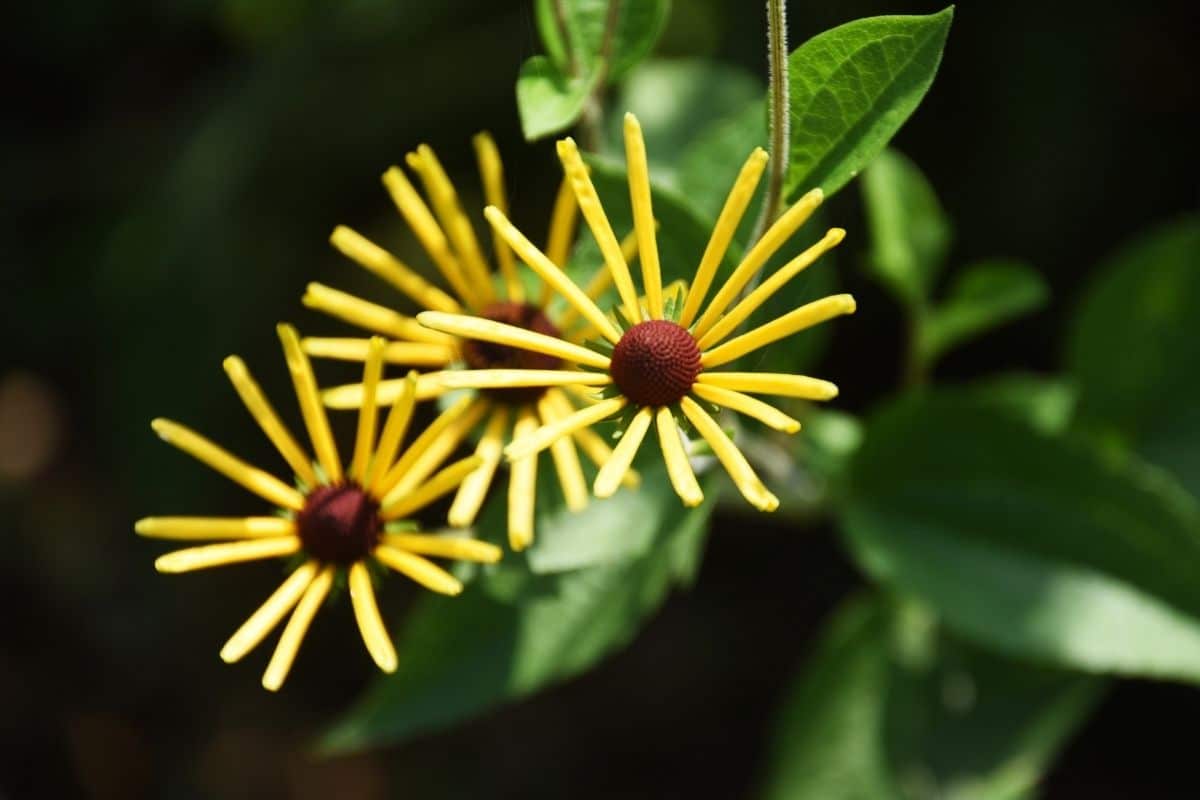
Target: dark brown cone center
655, 363
488, 355
339, 524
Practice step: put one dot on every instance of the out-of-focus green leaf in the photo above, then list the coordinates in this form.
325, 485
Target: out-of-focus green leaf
1135, 346
910, 234
1031, 544
548, 100
710, 163
985, 295
674, 100
576, 41
852, 88
1046, 403
888, 708
513, 632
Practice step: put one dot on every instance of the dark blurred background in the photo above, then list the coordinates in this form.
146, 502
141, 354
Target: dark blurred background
172, 172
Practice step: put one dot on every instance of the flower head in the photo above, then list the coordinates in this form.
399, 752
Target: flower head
339, 520
492, 292
666, 359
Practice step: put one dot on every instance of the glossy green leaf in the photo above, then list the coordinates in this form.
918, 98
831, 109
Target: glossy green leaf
910, 234
513, 632
852, 88
1135, 345
576, 41
1032, 544
887, 707
674, 100
548, 100
985, 295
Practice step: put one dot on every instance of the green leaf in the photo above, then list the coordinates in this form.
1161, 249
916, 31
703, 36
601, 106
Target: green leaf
512, 633
1046, 403
548, 100
1135, 345
910, 234
673, 100
709, 165
852, 88
1031, 544
985, 295
639, 24
887, 707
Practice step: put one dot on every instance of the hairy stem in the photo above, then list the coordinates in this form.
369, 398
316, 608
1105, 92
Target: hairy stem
778, 115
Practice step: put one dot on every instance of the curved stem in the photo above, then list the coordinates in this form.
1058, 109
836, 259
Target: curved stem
778, 115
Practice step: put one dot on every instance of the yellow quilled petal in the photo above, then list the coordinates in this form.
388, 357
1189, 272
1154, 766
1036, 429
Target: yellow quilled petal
201, 528
522, 486
217, 555
370, 316
263, 484
745, 404
408, 354
428, 232
269, 614
264, 414
513, 378
592, 444
370, 624
454, 220
749, 304
491, 172
730, 457
563, 221
643, 214
474, 487
421, 570
613, 472
457, 547
487, 330
566, 460
364, 439
679, 469
432, 447
727, 224
774, 383
293, 635
375, 259
388, 392
806, 316
597, 220
400, 504
763, 249
549, 272
393, 432
313, 412
546, 435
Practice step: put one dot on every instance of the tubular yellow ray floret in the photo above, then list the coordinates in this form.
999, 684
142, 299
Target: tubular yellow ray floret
313, 412
491, 171
473, 490
731, 458
546, 435
566, 461
487, 330
201, 528
293, 634
380, 262
458, 547
522, 486
679, 469
264, 414
370, 624
794, 321
609, 479
643, 214
421, 570
269, 614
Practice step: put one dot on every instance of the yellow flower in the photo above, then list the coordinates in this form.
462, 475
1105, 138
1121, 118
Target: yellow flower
339, 520
663, 362
446, 234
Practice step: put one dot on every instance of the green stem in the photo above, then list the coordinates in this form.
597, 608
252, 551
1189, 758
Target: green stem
591, 123
778, 115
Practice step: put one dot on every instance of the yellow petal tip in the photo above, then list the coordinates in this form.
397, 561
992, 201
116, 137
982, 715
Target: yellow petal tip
143, 526
162, 427
835, 235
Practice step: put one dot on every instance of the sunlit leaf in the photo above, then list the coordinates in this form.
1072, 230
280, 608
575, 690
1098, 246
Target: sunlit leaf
888, 708
549, 100
1044, 402
852, 88
1135, 346
513, 632
984, 295
910, 234
1032, 544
